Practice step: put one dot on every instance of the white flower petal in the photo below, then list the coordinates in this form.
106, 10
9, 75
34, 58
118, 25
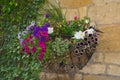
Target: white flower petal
24, 32
50, 30
79, 35
19, 35
90, 31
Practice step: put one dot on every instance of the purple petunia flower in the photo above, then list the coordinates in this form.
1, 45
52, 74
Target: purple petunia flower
90, 35
47, 24
42, 39
36, 30
44, 28
85, 39
47, 15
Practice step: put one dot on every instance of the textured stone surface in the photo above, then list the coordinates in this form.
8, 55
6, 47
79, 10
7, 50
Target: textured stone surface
94, 69
110, 39
54, 76
82, 12
111, 1
64, 11
95, 77
105, 14
113, 70
112, 58
97, 57
98, 2
71, 13
74, 3
105, 63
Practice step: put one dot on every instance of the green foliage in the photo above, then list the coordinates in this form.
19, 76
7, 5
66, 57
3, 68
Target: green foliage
48, 52
67, 29
59, 46
55, 14
15, 16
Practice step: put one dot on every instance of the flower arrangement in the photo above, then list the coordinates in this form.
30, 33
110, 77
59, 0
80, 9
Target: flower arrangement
65, 43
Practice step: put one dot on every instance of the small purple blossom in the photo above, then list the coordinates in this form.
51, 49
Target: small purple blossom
95, 34
85, 39
81, 43
44, 28
93, 40
47, 24
42, 39
47, 15
90, 35
96, 39
31, 26
36, 30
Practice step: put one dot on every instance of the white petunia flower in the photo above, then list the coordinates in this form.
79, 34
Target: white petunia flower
90, 31
19, 35
50, 30
24, 32
30, 26
79, 35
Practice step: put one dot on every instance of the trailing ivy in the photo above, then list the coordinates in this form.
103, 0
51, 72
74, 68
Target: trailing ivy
15, 16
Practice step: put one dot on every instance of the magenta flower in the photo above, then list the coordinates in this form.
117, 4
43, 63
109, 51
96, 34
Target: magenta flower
43, 50
23, 42
41, 44
44, 33
68, 23
41, 56
30, 37
27, 50
47, 39
39, 33
33, 49
75, 18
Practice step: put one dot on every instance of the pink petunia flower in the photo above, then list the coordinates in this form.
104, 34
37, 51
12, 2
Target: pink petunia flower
44, 33
27, 50
68, 23
24, 42
30, 37
33, 49
43, 50
41, 44
41, 56
75, 18
47, 39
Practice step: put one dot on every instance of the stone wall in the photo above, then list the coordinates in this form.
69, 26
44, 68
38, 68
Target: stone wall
105, 63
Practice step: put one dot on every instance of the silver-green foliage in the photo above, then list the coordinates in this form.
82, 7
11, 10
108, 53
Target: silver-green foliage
60, 46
